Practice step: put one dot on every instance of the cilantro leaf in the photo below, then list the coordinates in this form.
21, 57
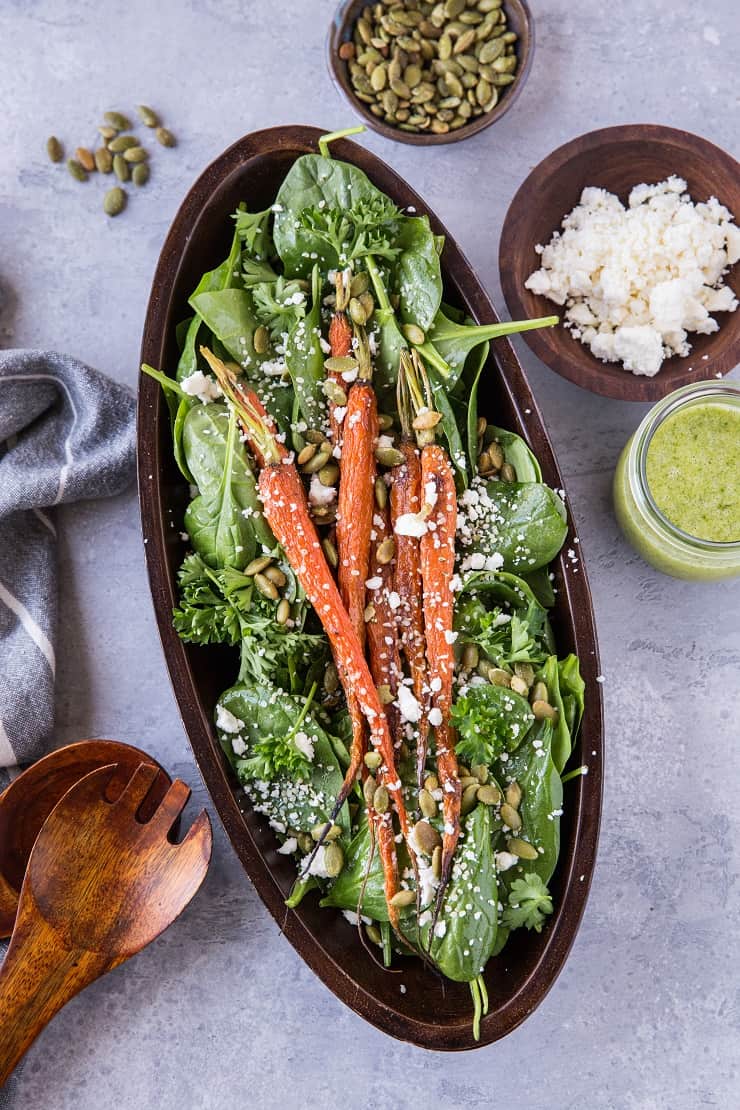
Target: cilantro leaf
529, 903
369, 228
279, 304
253, 228
489, 719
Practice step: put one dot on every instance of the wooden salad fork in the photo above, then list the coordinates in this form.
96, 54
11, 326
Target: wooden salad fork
103, 881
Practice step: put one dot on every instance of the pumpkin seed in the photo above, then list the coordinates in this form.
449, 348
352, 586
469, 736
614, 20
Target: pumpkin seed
54, 149
469, 799
317, 463
147, 116
334, 392
381, 493
121, 143
385, 694
543, 711
140, 173
414, 334
368, 789
85, 158
496, 455
431, 783
304, 843
135, 154
489, 5
103, 160
369, 613
261, 339
309, 450
508, 474
470, 657
502, 79
329, 474
483, 91
266, 587
403, 898
331, 679
468, 780
257, 565
332, 556
412, 75
313, 435
388, 456
107, 132
333, 859
489, 795
426, 837
514, 794
519, 686
381, 800
510, 817
340, 365
540, 692
373, 760
165, 137
117, 120
497, 676
374, 935
437, 862
481, 772
452, 8
275, 575
525, 672
427, 804
465, 40
357, 312
77, 170
283, 612
484, 668
386, 550
359, 284
389, 100
427, 419
491, 50
114, 201
379, 78
522, 848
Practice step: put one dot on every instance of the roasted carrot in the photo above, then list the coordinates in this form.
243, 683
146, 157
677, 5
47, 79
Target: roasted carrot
381, 619
438, 512
405, 499
286, 511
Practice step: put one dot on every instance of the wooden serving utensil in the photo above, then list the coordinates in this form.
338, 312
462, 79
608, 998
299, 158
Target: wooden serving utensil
28, 801
102, 882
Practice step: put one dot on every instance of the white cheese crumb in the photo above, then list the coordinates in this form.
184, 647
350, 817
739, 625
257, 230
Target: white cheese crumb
408, 705
410, 524
202, 386
304, 744
288, 847
505, 860
226, 721
435, 717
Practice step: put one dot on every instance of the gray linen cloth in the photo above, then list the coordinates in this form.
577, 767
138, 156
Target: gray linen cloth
67, 433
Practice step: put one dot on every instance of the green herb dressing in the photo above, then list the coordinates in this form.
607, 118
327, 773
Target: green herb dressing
693, 470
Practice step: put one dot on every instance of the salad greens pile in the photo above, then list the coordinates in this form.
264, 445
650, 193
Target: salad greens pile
283, 722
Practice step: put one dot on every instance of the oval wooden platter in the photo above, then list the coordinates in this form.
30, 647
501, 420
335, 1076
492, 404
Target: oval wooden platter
429, 1013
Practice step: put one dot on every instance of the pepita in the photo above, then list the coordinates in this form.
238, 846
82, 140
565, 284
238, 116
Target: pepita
332, 556
257, 565
121, 143
282, 616
374, 935
114, 201
470, 657
543, 711
414, 334
426, 419
266, 587
135, 154
117, 120
437, 862
85, 158
329, 474
54, 149
261, 341
373, 760
489, 795
480, 770
403, 898
522, 848
317, 463
514, 794
519, 686
333, 859
368, 789
388, 456
103, 160
331, 679
357, 312
469, 798
341, 365
386, 550
165, 137
381, 800
540, 692
121, 168
358, 285
107, 132
148, 116
381, 493
510, 817
78, 171
497, 676
334, 392
327, 831
525, 672
508, 474
426, 836
276, 575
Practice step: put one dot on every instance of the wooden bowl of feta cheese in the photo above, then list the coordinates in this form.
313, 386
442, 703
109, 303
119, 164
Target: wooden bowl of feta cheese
630, 233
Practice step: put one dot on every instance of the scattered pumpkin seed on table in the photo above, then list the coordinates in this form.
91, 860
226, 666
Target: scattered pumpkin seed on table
164, 137
114, 201
140, 173
431, 67
54, 149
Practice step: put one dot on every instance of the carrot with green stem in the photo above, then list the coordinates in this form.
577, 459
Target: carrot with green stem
438, 523
286, 510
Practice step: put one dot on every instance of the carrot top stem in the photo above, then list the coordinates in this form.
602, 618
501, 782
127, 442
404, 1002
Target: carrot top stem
252, 420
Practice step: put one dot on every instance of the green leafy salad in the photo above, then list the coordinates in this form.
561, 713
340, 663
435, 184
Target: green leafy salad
378, 553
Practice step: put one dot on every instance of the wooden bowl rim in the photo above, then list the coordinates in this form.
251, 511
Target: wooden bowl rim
337, 69
573, 360
577, 861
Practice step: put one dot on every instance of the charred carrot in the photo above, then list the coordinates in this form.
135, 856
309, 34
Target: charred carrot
381, 619
405, 500
286, 511
437, 518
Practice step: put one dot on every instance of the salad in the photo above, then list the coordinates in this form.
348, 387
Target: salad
378, 553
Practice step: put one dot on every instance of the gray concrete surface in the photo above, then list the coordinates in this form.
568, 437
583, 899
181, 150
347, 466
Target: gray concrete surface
221, 1012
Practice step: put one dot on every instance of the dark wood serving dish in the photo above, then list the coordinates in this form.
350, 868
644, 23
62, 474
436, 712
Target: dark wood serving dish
426, 1014
616, 158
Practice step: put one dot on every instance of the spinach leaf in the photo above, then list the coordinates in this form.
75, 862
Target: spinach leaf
299, 801
448, 343
229, 314
179, 404
562, 742
389, 338
500, 613
205, 440
572, 693
489, 720
523, 522
225, 276
516, 453
417, 272
473, 369
531, 765
305, 360
345, 891
451, 431
328, 211
469, 918
216, 524
253, 231
541, 586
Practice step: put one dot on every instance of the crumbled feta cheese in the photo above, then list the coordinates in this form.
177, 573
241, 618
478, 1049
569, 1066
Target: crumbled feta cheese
288, 847
408, 705
304, 744
505, 860
435, 717
410, 524
202, 386
319, 494
636, 280
226, 721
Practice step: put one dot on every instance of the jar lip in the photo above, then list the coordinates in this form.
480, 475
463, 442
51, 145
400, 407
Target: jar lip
657, 415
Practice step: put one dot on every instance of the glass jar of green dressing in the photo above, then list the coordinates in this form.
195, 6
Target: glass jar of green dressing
677, 483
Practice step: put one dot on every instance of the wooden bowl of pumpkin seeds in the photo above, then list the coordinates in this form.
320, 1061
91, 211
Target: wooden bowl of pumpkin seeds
427, 72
